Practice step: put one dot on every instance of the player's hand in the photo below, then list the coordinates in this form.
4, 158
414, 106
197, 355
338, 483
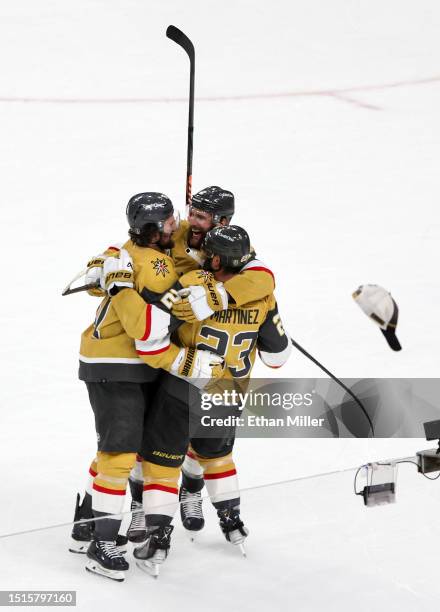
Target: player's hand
182, 309
198, 302
118, 273
195, 364
94, 275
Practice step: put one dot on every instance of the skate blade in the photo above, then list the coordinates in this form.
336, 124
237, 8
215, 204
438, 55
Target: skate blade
78, 547
95, 568
148, 567
237, 539
152, 566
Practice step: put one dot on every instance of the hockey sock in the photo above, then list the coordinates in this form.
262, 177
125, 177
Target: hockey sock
192, 473
86, 511
93, 471
136, 481
160, 496
221, 479
109, 489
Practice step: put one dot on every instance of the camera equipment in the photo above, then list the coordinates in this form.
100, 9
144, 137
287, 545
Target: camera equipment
380, 488
429, 460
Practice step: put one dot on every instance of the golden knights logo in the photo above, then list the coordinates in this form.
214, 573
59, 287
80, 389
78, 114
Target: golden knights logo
205, 276
160, 266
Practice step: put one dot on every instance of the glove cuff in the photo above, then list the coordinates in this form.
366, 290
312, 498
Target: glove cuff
184, 363
216, 296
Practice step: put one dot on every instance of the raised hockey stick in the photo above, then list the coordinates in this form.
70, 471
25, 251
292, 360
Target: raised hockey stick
339, 382
183, 41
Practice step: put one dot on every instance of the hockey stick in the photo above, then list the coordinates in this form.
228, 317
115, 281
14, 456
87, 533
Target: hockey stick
181, 39
339, 382
68, 291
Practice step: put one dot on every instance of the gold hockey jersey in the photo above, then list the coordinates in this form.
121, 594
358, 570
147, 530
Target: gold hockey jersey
106, 351
234, 333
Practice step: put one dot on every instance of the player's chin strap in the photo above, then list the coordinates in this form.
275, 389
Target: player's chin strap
339, 382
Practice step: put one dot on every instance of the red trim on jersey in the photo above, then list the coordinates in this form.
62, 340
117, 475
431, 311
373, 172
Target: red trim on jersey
220, 475
261, 269
159, 487
113, 249
96, 487
162, 350
191, 455
92, 472
147, 322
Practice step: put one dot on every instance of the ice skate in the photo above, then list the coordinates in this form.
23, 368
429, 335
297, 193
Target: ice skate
151, 555
137, 532
82, 533
121, 543
233, 528
106, 560
191, 511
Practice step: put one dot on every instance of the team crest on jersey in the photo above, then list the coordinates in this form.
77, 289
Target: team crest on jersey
205, 276
160, 266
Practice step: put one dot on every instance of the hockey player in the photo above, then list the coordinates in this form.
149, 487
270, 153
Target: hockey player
234, 334
119, 383
211, 207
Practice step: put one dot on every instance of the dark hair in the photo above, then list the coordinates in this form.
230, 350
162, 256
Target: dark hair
146, 235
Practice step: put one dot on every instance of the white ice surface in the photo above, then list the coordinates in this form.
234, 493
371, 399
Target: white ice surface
323, 549
323, 119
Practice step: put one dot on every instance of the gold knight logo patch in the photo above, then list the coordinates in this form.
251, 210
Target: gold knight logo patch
205, 276
160, 266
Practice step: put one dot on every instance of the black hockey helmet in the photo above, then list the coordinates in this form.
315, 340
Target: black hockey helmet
231, 243
146, 208
215, 200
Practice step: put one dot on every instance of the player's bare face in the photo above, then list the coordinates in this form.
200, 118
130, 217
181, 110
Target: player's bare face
200, 222
169, 227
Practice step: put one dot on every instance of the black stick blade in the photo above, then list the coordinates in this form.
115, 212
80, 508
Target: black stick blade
181, 39
69, 291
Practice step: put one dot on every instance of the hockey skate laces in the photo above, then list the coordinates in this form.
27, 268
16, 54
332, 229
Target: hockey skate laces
192, 503
137, 513
110, 550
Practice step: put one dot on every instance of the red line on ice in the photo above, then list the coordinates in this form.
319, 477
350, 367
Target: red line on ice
335, 93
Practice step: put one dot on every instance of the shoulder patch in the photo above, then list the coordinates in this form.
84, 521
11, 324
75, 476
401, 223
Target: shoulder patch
197, 277
160, 266
205, 276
